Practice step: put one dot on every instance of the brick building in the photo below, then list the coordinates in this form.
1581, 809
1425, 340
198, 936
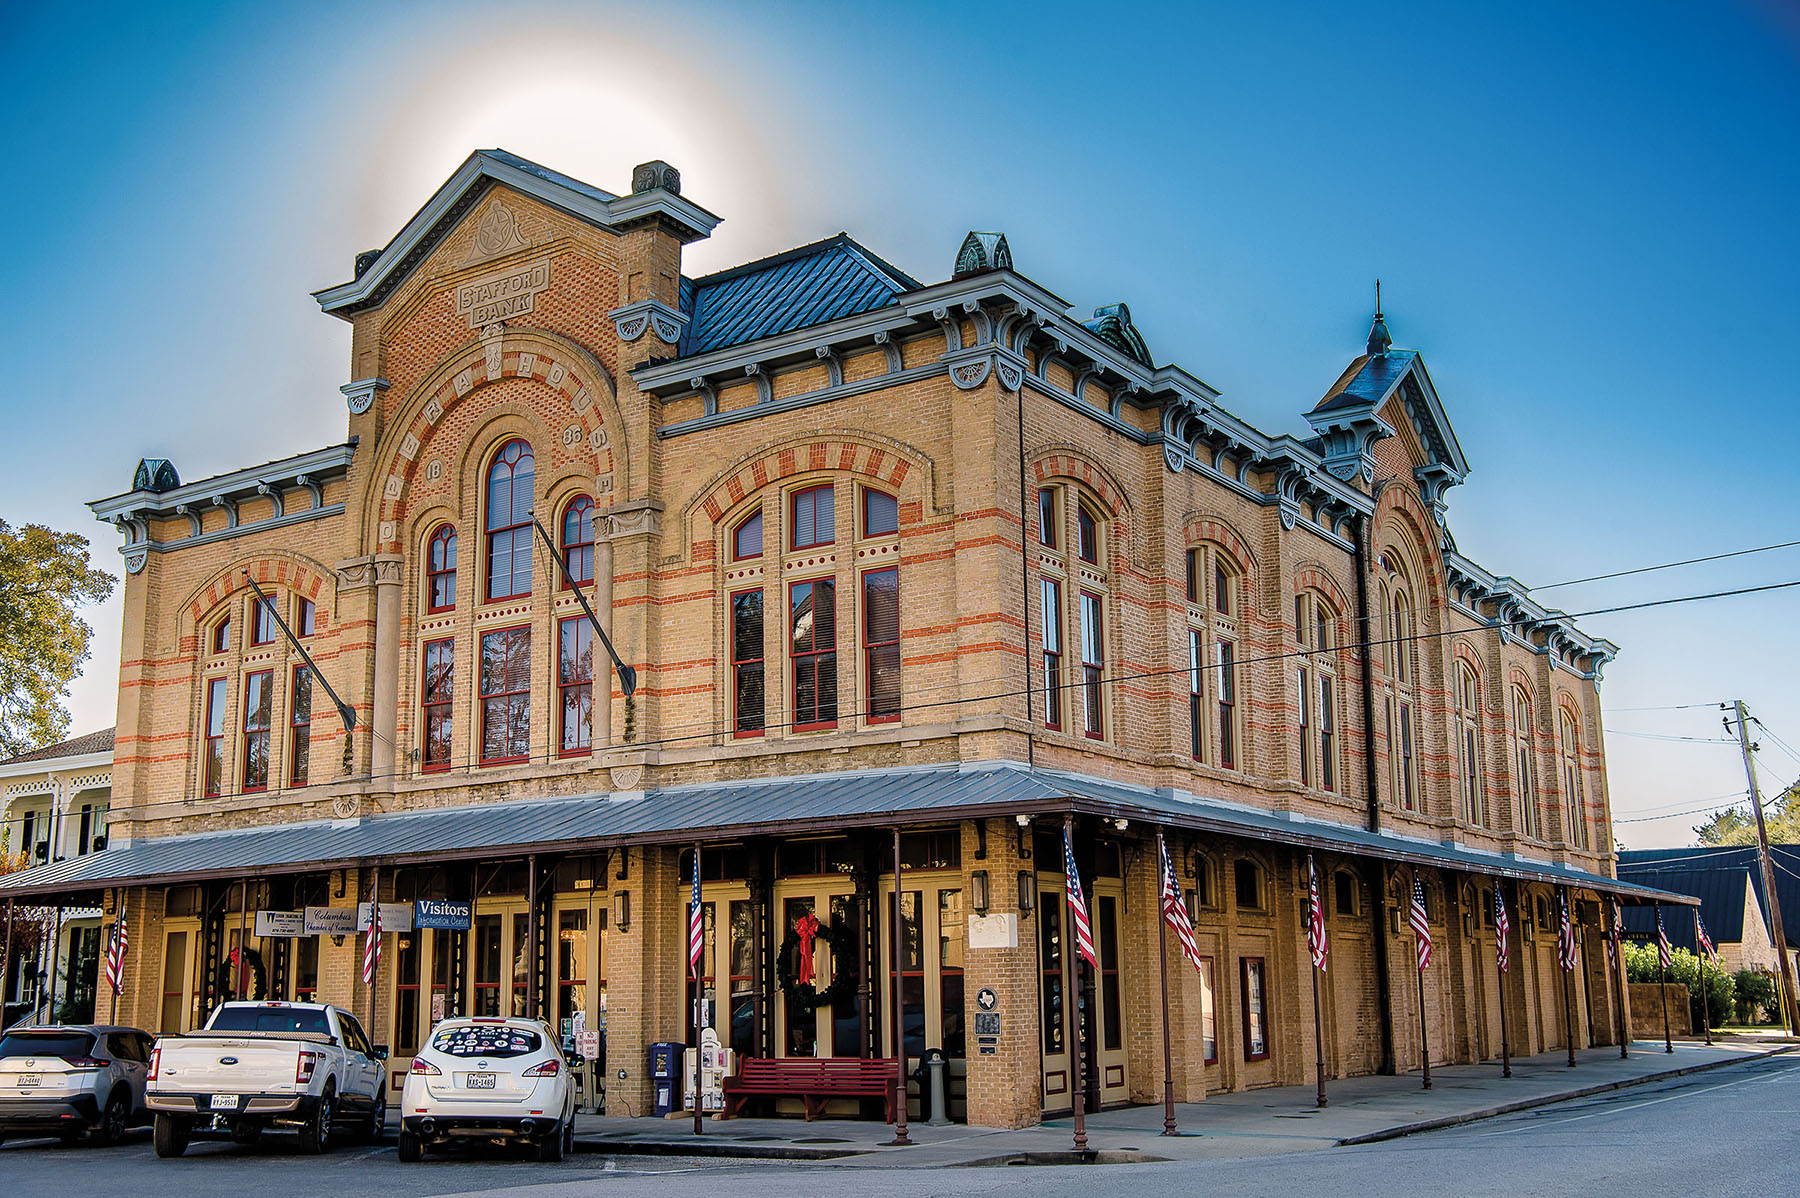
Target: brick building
904, 571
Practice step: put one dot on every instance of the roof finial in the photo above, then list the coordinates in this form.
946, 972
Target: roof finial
1379, 340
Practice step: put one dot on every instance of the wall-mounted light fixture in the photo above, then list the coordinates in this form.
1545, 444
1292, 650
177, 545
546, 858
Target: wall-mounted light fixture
1121, 824
1023, 830
1027, 893
978, 891
621, 909
1468, 923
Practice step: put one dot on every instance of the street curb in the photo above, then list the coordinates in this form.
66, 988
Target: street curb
714, 1148
1526, 1104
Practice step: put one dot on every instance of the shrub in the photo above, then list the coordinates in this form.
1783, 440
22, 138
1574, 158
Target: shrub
1755, 996
1721, 989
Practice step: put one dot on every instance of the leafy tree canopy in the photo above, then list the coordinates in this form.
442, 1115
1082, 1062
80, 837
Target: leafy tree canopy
1738, 826
45, 576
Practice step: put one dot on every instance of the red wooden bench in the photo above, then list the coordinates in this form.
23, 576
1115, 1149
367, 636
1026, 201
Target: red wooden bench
813, 1080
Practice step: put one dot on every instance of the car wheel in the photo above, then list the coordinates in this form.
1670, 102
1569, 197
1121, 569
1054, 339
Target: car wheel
111, 1129
376, 1131
569, 1136
550, 1148
315, 1136
170, 1136
412, 1148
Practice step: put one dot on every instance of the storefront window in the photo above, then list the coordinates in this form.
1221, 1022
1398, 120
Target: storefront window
1256, 1029
487, 965
743, 978
571, 963
802, 1027
1050, 969
950, 970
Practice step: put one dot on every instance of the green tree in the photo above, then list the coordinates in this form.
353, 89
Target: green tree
1684, 968
1737, 825
1755, 993
45, 576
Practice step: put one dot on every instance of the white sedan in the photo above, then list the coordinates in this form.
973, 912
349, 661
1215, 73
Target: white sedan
489, 1079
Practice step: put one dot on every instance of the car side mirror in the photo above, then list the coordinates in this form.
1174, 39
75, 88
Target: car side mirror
381, 1052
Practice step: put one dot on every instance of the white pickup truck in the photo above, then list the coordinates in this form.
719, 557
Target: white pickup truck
260, 1064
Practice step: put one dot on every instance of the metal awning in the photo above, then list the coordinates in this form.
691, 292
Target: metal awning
731, 810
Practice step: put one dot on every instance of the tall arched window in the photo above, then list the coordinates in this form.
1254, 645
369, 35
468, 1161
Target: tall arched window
1571, 769
440, 570
1525, 762
1072, 615
578, 540
507, 521
1468, 740
1316, 690
1399, 682
1212, 583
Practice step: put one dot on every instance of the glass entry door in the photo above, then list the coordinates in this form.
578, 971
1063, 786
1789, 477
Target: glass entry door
837, 1028
1100, 1006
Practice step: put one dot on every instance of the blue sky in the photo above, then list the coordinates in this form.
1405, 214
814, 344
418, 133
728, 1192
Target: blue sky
1582, 215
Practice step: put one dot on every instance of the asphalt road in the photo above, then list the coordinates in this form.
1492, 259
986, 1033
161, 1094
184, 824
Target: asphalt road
1726, 1131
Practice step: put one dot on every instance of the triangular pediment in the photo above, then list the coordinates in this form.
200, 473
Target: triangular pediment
1394, 387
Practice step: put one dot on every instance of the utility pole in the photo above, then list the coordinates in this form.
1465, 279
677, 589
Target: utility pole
1768, 866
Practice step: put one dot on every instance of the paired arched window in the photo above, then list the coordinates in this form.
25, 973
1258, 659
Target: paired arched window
1316, 690
440, 570
578, 541
507, 521
1212, 586
1468, 740
1525, 762
1393, 634
1571, 768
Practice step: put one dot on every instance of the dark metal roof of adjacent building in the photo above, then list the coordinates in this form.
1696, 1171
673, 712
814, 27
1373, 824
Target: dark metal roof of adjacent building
806, 286
548, 175
813, 803
1702, 872
80, 746
1368, 380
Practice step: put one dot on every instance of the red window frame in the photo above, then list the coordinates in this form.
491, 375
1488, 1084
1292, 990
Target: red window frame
306, 618
1087, 535
575, 684
221, 636
737, 537
1227, 690
811, 496
300, 727
440, 570
1262, 1006
871, 493
1047, 517
746, 664
1197, 692
263, 628
1209, 981
515, 699
1305, 687
1093, 665
437, 688
1327, 735
212, 762
822, 662
1221, 589
1050, 597
257, 719
885, 708
513, 536
1192, 577
578, 542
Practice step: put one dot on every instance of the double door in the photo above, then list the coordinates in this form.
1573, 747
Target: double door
1099, 1001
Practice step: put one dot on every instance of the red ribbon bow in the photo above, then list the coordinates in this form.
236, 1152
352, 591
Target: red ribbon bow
808, 930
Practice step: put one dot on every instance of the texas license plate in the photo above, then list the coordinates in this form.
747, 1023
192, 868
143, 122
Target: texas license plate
31, 1079
224, 1102
478, 1081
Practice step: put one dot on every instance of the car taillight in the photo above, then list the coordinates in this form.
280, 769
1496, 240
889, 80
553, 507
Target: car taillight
86, 1062
304, 1066
155, 1063
547, 1069
421, 1065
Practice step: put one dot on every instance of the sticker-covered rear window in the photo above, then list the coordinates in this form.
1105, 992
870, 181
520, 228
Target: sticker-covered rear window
486, 1040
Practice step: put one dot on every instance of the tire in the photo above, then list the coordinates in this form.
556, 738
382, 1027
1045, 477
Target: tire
412, 1148
170, 1136
111, 1128
315, 1136
550, 1148
569, 1137
375, 1130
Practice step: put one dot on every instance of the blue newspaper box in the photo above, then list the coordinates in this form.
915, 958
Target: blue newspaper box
665, 1076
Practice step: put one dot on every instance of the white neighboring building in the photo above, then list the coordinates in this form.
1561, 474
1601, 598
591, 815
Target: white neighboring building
55, 802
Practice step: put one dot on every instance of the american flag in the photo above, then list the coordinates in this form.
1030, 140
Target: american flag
1613, 937
1175, 910
115, 956
1084, 933
696, 923
372, 943
1664, 957
1502, 928
1705, 941
1315, 917
1565, 938
1421, 923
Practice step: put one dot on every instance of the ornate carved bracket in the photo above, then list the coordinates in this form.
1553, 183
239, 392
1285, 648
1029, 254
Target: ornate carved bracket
360, 395
648, 315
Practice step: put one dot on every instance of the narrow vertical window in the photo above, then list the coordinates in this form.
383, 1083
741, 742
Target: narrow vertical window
262, 622
1322, 629
575, 684
747, 661
306, 618
1093, 662
1087, 535
812, 634
1196, 692
1470, 743
881, 641
258, 700
510, 482
1193, 576
1256, 1015
213, 760
1052, 616
300, 727
1227, 686
1327, 736
1305, 693
436, 693
1402, 637
440, 570
1300, 620
881, 514
1576, 814
1047, 517
747, 540
1221, 590
1406, 756
813, 521
1209, 1036
1527, 775
221, 636
506, 695
578, 541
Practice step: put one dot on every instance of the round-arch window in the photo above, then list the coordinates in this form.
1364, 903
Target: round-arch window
440, 569
578, 540
508, 521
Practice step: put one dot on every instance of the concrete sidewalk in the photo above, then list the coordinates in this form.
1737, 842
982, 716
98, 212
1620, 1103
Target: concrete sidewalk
1250, 1123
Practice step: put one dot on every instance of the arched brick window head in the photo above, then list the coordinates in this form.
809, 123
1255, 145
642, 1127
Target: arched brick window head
508, 521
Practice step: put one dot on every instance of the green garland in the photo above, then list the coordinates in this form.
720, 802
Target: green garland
802, 996
225, 975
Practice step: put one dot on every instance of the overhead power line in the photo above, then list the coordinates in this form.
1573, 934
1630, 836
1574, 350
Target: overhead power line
1692, 561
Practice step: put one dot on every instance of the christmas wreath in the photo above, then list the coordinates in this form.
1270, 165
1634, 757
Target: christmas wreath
227, 973
802, 996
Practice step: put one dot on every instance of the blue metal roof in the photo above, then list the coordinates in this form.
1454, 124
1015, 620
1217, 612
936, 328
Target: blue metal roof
1706, 872
1368, 380
792, 290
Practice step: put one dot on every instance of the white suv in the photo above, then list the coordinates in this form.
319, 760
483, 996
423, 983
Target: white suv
490, 1079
